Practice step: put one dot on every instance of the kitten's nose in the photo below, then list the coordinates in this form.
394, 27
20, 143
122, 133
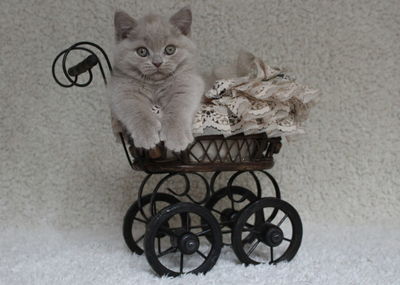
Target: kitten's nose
157, 60
157, 64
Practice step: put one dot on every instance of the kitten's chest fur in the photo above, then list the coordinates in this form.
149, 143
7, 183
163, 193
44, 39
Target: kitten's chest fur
156, 94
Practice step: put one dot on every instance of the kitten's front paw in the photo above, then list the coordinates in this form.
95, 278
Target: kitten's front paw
147, 136
176, 137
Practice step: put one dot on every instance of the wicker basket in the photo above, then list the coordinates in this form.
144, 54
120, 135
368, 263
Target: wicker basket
210, 153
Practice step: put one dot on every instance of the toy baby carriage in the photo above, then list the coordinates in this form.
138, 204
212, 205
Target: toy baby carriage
183, 231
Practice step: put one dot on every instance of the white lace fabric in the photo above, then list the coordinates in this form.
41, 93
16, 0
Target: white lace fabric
265, 101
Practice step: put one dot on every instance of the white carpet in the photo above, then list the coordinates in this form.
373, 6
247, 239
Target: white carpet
329, 255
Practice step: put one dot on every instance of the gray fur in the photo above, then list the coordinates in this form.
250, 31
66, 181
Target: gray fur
136, 86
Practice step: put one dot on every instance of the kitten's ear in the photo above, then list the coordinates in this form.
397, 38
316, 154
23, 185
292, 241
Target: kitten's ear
245, 58
123, 25
183, 20
245, 62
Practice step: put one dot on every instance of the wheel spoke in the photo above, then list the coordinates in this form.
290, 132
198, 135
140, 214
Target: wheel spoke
140, 220
155, 207
282, 220
159, 245
190, 228
226, 232
181, 264
216, 211
167, 231
140, 238
201, 254
167, 251
253, 248
198, 227
272, 254
203, 232
249, 225
250, 228
286, 239
187, 222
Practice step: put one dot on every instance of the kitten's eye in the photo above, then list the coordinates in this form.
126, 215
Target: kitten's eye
142, 51
170, 49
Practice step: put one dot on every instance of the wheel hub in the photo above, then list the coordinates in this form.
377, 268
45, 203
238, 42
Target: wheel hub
229, 217
272, 235
188, 243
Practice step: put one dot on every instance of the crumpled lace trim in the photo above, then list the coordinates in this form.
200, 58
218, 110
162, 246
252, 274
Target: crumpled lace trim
265, 101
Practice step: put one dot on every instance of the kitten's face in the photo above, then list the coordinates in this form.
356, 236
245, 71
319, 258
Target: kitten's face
153, 47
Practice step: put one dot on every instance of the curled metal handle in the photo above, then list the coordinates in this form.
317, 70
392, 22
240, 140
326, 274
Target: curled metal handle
72, 74
85, 65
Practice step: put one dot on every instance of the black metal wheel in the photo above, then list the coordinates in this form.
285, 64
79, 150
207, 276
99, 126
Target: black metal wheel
135, 220
278, 237
227, 204
183, 247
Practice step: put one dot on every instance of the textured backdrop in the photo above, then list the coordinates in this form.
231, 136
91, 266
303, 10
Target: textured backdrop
60, 166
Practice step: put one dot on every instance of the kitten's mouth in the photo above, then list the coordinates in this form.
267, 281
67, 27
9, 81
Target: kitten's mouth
159, 75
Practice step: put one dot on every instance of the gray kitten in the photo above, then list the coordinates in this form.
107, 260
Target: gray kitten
155, 68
